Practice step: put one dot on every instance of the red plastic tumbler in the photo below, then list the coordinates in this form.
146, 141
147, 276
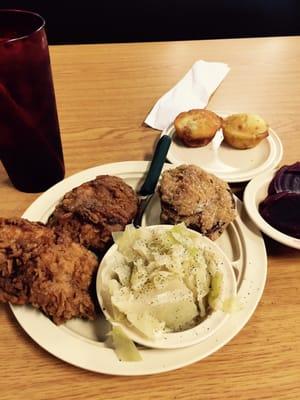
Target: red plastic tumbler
30, 144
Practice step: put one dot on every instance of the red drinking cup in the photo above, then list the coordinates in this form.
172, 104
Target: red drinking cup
30, 143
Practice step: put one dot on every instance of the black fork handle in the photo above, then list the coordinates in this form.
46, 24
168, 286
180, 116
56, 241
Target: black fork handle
156, 165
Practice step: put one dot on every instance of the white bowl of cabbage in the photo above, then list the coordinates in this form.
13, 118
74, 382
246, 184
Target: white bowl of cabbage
165, 286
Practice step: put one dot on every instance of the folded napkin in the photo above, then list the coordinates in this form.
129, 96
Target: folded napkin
192, 91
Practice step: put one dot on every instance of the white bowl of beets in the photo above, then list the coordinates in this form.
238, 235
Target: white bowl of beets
272, 200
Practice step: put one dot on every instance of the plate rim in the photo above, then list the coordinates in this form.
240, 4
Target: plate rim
86, 356
274, 142
262, 181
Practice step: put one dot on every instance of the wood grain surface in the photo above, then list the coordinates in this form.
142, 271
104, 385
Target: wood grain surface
104, 93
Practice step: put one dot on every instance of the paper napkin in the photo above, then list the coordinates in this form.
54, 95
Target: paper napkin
192, 91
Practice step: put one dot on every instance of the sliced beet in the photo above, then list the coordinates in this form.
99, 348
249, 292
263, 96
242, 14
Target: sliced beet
282, 211
286, 179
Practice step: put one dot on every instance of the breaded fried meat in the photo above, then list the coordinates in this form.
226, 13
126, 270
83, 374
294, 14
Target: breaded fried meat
38, 268
21, 242
201, 200
92, 211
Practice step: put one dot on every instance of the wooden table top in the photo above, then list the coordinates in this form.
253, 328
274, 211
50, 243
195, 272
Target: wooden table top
104, 93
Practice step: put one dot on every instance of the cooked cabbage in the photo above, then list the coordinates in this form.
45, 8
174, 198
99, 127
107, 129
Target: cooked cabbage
124, 347
163, 281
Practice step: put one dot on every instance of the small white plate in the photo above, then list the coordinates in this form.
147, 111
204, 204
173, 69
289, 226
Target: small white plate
231, 165
255, 192
174, 340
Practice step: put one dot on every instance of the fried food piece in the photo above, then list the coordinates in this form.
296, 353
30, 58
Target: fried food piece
20, 242
61, 282
200, 200
92, 211
196, 128
38, 268
244, 131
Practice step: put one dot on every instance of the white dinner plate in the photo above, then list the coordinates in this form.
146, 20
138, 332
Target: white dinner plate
255, 192
81, 343
231, 165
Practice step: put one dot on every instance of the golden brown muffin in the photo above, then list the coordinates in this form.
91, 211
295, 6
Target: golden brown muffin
200, 200
196, 128
244, 131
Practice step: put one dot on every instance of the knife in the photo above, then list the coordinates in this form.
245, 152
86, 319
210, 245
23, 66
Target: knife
148, 188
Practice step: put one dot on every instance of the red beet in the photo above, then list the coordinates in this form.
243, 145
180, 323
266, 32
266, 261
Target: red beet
286, 179
282, 211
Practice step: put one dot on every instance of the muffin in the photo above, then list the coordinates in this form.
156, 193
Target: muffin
244, 131
199, 199
196, 128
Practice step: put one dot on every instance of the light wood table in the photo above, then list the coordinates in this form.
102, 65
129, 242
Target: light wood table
104, 93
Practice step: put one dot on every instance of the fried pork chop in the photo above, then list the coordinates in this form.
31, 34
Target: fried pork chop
200, 200
38, 268
92, 211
